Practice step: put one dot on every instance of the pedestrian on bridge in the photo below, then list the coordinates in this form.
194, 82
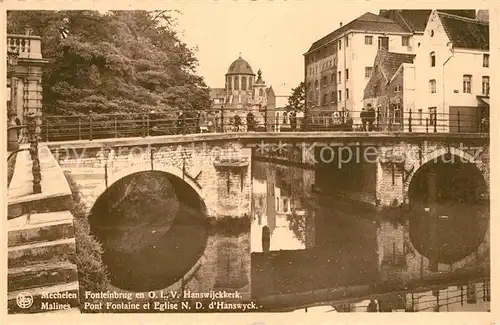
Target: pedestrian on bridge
364, 117
250, 122
370, 114
293, 120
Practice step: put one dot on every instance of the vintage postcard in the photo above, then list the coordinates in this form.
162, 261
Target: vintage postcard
301, 159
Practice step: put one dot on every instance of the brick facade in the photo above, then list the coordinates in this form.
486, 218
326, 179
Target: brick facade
380, 183
219, 174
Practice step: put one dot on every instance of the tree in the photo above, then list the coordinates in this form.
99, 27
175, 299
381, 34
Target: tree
297, 100
118, 61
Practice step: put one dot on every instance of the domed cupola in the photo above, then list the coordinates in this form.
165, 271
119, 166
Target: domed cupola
239, 76
240, 66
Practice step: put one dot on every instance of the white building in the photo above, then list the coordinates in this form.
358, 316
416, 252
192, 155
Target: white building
453, 73
339, 65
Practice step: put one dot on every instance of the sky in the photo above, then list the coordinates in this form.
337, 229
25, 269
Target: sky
271, 36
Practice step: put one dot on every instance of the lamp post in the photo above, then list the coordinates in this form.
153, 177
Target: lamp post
12, 132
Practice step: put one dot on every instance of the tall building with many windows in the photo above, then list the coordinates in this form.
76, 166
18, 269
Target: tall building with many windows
339, 65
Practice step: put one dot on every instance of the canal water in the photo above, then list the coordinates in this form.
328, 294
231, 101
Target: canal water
298, 242
156, 236
306, 241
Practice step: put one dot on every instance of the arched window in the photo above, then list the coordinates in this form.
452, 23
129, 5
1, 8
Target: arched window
261, 92
243, 83
229, 83
250, 82
433, 59
236, 83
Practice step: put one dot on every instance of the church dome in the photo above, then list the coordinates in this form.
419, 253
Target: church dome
240, 66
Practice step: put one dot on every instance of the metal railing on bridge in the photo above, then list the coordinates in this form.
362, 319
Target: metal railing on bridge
99, 126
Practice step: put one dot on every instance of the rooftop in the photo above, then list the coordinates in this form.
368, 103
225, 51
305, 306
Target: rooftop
240, 66
217, 92
415, 21
367, 22
391, 62
466, 33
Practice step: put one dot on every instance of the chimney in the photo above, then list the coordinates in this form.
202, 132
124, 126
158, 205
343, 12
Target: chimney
340, 24
483, 15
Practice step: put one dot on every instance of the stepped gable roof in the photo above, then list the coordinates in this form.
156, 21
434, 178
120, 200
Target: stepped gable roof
465, 32
367, 22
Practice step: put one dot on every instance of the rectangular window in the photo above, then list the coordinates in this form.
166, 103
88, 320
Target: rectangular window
405, 40
433, 59
432, 115
325, 99
486, 60
325, 81
340, 77
368, 72
333, 97
347, 41
347, 94
340, 95
346, 74
383, 42
340, 44
368, 40
467, 81
332, 78
486, 86
432, 86
397, 114
397, 89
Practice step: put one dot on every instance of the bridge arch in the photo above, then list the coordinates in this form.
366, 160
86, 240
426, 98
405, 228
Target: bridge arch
155, 228
434, 156
116, 173
448, 217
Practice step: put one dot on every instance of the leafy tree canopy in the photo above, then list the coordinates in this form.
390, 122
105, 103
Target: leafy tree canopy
297, 101
118, 61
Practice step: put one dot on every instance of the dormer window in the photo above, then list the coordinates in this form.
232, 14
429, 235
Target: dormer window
433, 59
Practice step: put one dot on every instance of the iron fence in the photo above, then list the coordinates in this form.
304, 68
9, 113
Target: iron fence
99, 126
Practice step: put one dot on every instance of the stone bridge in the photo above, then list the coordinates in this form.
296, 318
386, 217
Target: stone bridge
218, 166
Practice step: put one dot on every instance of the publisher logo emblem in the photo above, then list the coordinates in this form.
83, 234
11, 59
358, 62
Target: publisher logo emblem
24, 300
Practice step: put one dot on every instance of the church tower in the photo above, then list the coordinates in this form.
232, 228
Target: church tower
260, 91
239, 83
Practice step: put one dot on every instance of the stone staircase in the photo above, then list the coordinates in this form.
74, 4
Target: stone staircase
42, 274
41, 253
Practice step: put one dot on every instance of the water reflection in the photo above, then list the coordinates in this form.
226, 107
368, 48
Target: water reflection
156, 236
467, 296
317, 244
280, 211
